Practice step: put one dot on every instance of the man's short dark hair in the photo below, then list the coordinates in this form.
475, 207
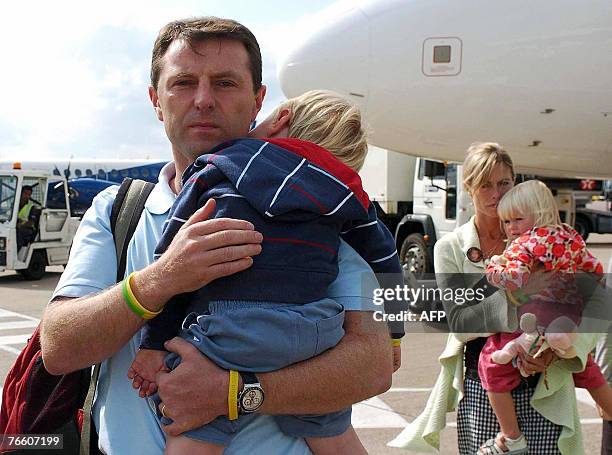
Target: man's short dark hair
27, 188
198, 29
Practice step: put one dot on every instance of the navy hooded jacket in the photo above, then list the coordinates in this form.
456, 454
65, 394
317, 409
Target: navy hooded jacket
302, 199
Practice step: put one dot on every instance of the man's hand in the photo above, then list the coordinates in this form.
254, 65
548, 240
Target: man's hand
397, 358
195, 392
204, 250
146, 364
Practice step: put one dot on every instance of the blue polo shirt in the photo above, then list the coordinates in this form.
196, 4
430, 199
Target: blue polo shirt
125, 422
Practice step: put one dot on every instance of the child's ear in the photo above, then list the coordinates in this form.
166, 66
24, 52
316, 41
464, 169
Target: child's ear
280, 122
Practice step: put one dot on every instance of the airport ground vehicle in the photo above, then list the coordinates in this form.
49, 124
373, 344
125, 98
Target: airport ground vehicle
59, 206
53, 224
417, 200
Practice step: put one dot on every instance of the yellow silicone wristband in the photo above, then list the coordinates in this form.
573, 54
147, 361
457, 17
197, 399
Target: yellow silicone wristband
133, 302
396, 342
128, 300
232, 396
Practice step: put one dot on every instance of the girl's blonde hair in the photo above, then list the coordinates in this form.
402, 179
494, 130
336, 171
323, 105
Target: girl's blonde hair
530, 198
479, 163
331, 121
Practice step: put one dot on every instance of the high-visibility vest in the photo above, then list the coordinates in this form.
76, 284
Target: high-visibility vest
24, 212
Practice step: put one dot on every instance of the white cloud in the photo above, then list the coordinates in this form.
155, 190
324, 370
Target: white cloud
75, 74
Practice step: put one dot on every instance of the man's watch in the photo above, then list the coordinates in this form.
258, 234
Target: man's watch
252, 396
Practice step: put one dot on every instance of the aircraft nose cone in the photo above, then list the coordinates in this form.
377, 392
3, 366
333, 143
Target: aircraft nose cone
334, 57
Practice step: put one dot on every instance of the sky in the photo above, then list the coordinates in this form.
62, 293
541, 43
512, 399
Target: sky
74, 74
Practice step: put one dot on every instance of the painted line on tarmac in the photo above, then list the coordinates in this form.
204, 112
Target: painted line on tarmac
9, 314
14, 339
18, 325
25, 322
375, 413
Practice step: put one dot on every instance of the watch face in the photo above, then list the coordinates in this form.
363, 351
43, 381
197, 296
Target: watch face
252, 399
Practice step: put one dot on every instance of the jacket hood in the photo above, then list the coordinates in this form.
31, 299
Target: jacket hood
282, 176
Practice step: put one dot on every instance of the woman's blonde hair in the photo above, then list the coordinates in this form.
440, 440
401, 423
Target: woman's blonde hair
530, 198
331, 121
479, 163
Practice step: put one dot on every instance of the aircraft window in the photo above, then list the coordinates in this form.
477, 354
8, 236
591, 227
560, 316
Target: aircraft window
135, 173
88, 172
78, 172
441, 54
145, 172
124, 173
114, 174
101, 174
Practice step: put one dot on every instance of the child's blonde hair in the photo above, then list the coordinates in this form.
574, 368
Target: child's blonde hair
331, 121
530, 198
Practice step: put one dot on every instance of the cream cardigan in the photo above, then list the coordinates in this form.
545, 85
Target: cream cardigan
495, 315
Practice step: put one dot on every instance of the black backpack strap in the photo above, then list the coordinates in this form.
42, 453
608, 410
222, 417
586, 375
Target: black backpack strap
125, 214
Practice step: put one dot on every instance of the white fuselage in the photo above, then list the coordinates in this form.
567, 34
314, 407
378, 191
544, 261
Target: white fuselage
533, 76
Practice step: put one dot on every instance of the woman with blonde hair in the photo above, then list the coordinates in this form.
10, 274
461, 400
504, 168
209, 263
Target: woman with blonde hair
459, 259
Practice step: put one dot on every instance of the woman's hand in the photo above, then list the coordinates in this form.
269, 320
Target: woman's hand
531, 365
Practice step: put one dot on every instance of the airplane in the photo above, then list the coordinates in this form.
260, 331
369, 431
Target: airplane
434, 76
97, 169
